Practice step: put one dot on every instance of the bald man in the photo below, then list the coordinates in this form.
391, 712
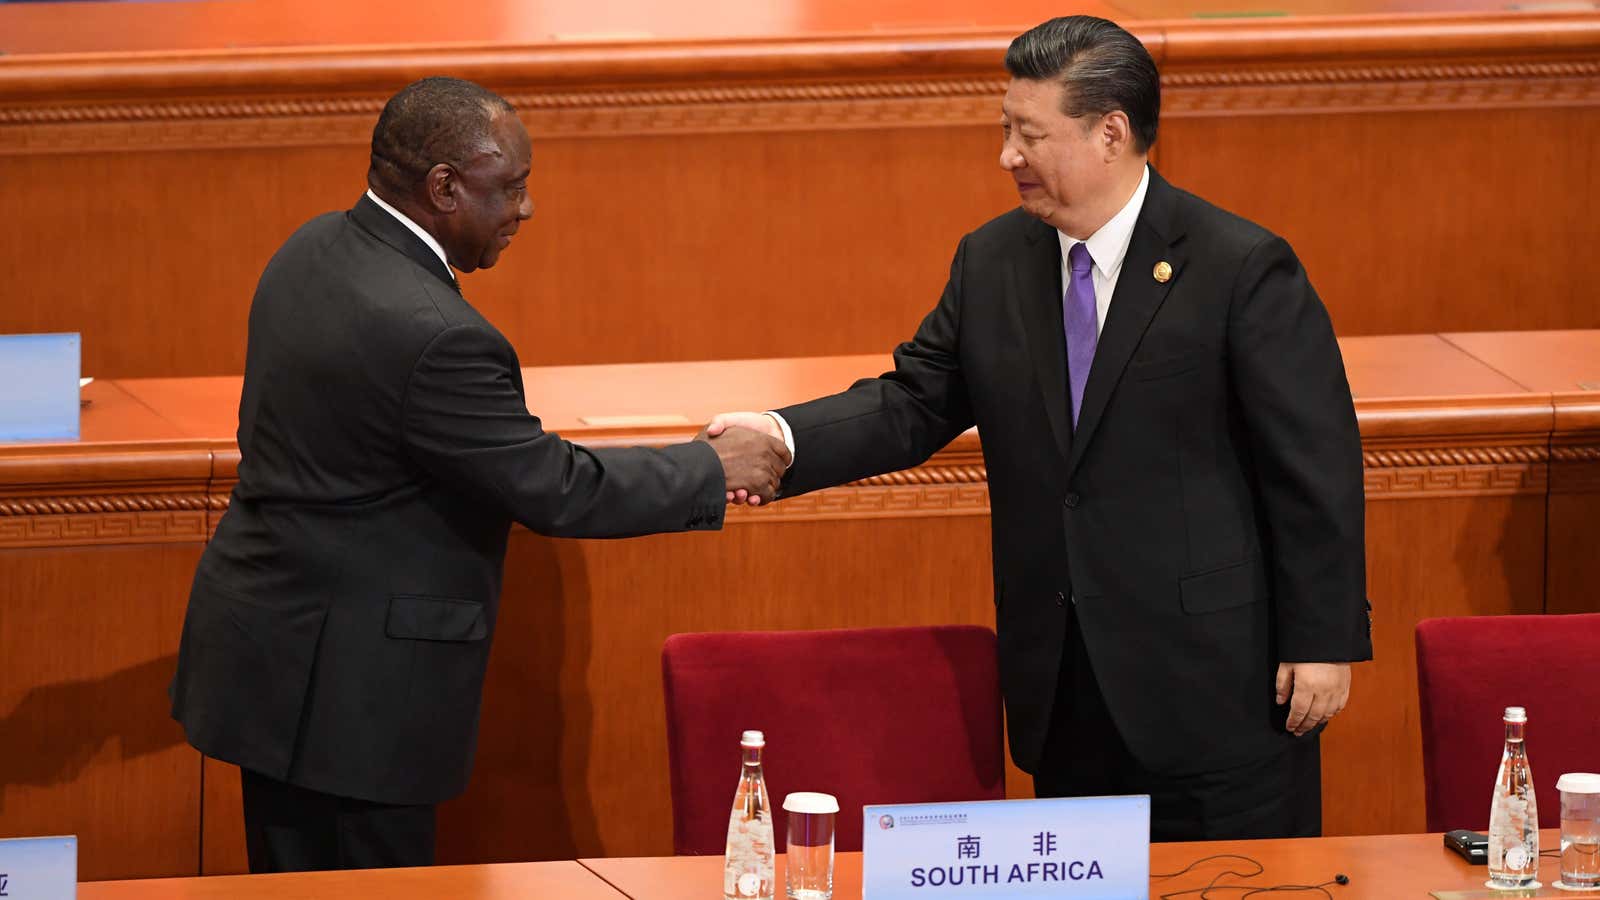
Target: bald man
339, 623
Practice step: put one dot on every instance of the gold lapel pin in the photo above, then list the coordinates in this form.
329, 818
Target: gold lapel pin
1163, 271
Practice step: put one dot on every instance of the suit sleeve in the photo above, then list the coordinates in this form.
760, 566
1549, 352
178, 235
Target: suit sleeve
1306, 447
891, 422
466, 422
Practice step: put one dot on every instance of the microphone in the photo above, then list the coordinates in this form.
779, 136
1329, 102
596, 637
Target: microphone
1341, 878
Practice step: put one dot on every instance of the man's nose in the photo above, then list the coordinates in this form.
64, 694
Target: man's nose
1011, 158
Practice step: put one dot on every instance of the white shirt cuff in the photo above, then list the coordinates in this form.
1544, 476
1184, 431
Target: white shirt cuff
788, 436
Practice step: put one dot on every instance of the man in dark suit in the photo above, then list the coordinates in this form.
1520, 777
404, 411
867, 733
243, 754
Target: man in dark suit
1173, 460
339, 624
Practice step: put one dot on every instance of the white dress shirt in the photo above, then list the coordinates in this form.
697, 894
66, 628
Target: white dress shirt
1107, 247
416, 229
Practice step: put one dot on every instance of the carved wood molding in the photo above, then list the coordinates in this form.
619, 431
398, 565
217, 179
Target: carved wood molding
1575, 469
1401, 457
1575, 454
956, 484
313, 121
1399, 473
54, 506
75, 529
1313, 97
131, 518
347, 121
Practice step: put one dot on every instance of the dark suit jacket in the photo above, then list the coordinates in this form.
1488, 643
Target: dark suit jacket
340, 620
1206, 517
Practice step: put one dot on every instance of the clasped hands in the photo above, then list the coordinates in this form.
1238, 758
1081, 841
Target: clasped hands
753, 454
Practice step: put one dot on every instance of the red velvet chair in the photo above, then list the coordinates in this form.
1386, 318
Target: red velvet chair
876, 715
1468, 671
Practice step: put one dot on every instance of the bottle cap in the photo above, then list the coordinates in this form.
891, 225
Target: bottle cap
1573, 783
1516, 714
752, 739
810, 803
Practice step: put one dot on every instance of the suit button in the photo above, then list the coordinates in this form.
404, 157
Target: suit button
1061, 599
1072, 501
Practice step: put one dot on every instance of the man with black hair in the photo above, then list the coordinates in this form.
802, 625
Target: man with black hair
339, 623
1173, 460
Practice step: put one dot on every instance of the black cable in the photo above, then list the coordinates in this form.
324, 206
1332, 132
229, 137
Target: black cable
1204, 893
1186, 869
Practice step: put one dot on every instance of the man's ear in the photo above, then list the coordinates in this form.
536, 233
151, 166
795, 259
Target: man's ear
1116, 135
440, 187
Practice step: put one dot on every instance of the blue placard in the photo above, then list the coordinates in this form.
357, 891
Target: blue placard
1088, 848
41, 868
39, 387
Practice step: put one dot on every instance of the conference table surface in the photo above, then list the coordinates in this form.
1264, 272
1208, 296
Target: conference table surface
1380, 867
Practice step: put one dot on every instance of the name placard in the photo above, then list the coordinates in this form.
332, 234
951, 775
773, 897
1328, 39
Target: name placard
40, 398
41, 868
1087, 848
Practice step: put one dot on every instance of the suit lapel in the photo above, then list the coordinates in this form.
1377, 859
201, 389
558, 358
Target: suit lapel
1037, 274
385, 227
1137, 298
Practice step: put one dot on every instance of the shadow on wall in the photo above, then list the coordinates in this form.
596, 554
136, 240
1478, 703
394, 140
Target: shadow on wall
53, 734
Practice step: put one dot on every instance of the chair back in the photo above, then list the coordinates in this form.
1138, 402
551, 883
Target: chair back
1469, 669
873, 715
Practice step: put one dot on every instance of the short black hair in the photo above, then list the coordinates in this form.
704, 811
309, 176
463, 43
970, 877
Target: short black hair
1101, 65
435, 120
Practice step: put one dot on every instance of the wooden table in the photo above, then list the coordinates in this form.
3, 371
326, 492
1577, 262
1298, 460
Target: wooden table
563, 880
1380, 867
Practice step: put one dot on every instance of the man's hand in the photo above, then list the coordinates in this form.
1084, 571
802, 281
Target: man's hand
754, 421
1320, 691
752, 462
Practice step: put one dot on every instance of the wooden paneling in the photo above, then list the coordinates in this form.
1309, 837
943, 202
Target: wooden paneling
1407, 219
1463, 473
222, 850
1566, 364
89, 639
1449, 556
797, 190
573, 722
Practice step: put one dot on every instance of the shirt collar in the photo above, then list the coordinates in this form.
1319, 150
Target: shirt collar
1109, 245
417, 230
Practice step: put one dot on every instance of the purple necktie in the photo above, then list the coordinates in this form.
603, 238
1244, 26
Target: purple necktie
1077, 313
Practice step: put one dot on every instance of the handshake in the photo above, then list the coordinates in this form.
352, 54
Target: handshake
754, 457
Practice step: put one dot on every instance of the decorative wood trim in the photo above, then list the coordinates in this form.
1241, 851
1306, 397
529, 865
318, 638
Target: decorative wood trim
135, 503
1460, 481
1575, 454
549, 116
1397, 473
1298, 91
1575, 469
955, 484
1434, 457
1360, 74
330, 97
136, 526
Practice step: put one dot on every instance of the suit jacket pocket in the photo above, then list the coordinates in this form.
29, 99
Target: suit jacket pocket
1172, 365
1219, 589
423, 618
